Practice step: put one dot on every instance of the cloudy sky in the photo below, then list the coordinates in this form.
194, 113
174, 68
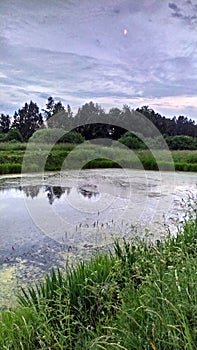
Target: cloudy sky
113, 52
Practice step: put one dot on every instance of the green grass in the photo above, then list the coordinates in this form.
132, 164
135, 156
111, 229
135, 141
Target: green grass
9, 146
8, 168
39, 157
141, 296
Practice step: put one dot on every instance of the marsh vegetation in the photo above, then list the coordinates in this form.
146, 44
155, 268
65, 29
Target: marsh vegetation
38, 157
140, 296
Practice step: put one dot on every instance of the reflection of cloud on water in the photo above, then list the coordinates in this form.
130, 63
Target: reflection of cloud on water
85, 204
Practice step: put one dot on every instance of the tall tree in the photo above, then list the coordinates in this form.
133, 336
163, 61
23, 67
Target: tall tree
57, 115
5, 122
116, 115
88, 117
171, 126
48, 112
27, 120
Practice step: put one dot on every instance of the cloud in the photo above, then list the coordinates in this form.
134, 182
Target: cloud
77, 78
76, 51
186, 13
174, 7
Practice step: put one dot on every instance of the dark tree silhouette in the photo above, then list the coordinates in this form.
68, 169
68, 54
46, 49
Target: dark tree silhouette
5, 122
85, 116
27, 120
93, 121
57, 116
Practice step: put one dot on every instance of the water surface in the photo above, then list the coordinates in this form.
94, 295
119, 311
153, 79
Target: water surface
47, 219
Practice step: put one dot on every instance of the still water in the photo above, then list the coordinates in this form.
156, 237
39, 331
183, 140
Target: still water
48, 219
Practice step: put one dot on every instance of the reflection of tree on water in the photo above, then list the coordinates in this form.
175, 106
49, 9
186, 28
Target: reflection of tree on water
54, 192
30, 191
87, 193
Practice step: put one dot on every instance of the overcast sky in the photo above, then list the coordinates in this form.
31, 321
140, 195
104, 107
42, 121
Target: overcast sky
113, 52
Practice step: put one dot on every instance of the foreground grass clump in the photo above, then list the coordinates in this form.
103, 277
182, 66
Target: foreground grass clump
143, 296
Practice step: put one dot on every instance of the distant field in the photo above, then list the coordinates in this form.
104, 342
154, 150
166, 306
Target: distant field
39, 157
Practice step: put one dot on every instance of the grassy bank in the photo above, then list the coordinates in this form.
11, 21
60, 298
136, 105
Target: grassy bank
39, 157
143, 296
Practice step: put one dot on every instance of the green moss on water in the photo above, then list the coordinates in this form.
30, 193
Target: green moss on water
8, 286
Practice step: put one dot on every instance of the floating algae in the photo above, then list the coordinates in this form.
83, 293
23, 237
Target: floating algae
19, 272
8, 286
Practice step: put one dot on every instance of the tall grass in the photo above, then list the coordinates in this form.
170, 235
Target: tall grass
8, 168
40, 157
9, 146
141, 296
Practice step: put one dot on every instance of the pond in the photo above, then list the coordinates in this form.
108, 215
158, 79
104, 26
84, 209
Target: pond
53, 219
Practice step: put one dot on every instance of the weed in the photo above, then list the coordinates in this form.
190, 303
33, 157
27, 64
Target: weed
141, 296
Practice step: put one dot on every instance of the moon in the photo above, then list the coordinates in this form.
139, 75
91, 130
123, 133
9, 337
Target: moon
125, 31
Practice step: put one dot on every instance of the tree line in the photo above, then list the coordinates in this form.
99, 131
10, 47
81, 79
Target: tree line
91, 121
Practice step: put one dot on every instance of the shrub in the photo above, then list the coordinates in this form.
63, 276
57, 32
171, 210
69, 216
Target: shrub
181, 142
72, 137
55, 135
47, 135
132, 141
3, 137
13, 135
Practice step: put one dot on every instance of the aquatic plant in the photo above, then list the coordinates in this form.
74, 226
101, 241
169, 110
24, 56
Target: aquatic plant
140, 296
